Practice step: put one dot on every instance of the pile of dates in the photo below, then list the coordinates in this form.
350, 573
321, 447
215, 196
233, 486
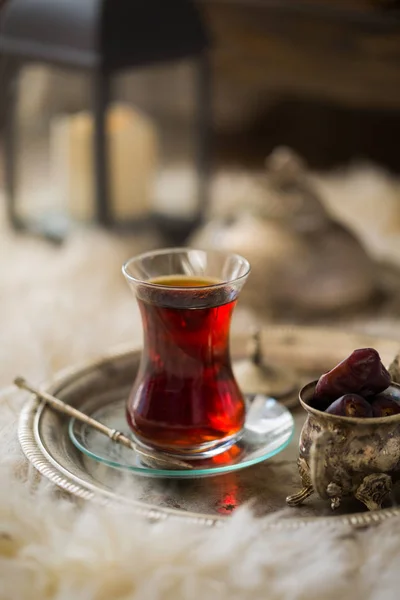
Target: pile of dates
357, 387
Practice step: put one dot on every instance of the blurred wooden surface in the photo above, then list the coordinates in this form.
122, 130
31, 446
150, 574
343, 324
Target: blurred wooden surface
344, 50
321, 76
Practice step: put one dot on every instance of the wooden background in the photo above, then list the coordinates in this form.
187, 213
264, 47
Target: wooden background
347, 51
322, 76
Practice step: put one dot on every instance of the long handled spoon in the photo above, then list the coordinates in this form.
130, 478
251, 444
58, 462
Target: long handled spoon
152, 458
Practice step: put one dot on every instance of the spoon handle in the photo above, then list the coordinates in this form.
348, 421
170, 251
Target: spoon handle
113, 434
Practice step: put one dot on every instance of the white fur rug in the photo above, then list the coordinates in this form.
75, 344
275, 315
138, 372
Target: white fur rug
52, 549
59, 306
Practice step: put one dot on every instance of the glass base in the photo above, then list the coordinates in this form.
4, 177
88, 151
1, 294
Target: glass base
206, 450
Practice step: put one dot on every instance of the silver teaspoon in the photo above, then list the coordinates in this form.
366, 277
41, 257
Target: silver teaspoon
152, 458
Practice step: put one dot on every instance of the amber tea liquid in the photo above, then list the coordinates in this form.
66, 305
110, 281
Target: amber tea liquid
185, 396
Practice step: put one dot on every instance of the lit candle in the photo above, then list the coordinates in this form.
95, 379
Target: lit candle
133, 158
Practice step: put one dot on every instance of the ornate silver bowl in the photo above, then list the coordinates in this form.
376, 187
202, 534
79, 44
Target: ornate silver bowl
346, 456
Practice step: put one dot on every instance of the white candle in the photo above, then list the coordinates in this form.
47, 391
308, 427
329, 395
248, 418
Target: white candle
133, 156
176, 189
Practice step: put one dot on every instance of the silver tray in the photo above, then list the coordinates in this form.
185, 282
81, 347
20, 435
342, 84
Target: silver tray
44, 438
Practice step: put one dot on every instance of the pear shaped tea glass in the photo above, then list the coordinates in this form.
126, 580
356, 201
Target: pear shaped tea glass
185, 399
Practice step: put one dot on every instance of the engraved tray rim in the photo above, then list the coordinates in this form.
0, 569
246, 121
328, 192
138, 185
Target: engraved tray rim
85, 490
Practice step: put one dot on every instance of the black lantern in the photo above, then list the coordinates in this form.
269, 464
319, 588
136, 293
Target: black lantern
103, 39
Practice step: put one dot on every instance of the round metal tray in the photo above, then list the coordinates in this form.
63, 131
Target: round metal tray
44, 438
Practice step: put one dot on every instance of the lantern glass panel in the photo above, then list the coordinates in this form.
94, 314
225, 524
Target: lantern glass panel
152, 141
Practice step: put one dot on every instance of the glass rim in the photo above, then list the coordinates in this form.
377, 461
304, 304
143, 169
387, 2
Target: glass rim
176, 250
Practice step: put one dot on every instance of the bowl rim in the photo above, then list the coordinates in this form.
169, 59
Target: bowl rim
338, 418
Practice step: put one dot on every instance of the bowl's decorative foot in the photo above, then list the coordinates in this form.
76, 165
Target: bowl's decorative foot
303, 494
335, 493
373, 490
307, 490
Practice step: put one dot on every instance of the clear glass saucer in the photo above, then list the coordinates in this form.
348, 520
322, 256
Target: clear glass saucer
268, 430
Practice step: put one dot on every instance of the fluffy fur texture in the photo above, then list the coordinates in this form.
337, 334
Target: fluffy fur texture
52, 549
60, 306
